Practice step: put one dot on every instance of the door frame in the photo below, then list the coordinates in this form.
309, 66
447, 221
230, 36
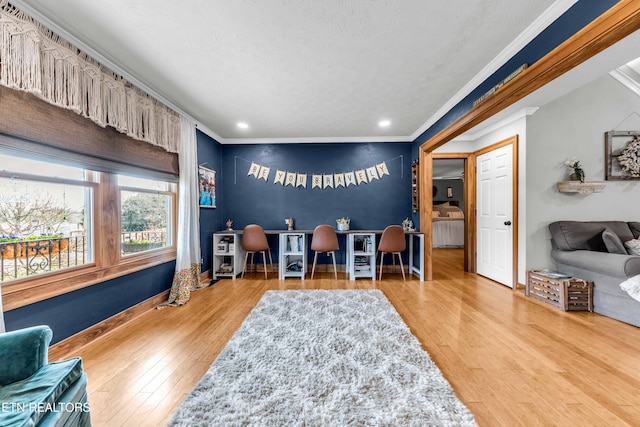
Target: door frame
513, 141
469, 205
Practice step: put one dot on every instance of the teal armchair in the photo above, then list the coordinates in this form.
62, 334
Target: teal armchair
34, 392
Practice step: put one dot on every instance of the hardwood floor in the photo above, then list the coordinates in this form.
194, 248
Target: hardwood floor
511, 360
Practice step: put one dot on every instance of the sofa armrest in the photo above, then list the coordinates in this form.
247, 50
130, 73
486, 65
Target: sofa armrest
23, 352
617, 265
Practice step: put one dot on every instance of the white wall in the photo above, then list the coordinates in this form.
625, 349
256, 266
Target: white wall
574, 125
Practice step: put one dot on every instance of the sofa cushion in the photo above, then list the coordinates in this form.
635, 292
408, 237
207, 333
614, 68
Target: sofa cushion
31, 399
612, 242
635, 229
586, 235
23, 352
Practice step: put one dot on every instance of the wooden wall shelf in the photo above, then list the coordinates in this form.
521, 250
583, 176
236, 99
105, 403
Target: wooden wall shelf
580, 187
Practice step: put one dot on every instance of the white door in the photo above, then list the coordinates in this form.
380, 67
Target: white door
494, 187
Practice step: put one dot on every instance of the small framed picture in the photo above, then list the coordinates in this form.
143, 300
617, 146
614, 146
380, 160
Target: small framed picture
622, 158
449, 192
206, 187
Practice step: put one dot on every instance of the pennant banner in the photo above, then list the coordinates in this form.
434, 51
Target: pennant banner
254, 169
372, 173
291, 179
350, 178
327, 181
302, 180
321, 181
264, 173
316, 181
280, 176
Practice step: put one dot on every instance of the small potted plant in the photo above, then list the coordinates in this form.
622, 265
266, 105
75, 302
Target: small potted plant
577, 171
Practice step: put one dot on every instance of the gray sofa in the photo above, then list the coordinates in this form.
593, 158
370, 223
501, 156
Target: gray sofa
591, 250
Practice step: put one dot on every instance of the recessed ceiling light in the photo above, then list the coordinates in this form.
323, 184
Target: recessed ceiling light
243, 125
384, 123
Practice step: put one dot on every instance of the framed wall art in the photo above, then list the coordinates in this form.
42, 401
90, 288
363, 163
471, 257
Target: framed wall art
206, 187
622, 155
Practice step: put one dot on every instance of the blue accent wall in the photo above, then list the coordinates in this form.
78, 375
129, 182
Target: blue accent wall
211, 220
370, 206
75, 311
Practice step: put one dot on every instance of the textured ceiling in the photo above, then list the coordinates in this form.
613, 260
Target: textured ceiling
303, 70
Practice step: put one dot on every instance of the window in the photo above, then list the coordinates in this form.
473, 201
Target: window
145, 214
52, 239
45, 218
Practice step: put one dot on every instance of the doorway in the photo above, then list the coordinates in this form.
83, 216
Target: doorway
448, 209
471, 200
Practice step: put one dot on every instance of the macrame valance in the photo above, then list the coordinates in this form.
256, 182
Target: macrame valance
36, 60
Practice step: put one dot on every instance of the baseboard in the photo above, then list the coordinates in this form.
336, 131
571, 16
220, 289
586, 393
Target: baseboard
69, 345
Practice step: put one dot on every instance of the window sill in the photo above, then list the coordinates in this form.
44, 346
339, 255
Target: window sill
23, 292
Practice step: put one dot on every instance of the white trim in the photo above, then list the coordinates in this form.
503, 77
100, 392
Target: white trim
547, 18
625, 77
467, 137
315, 140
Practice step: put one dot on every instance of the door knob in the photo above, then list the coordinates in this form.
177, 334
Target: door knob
507, 223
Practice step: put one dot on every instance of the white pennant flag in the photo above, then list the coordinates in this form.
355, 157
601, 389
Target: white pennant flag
339, 179
327, 181
316, 181
350, 178
264, 173
291, 179
372, 173
382, 169
280, 175
254, 169
302, 180
361, 176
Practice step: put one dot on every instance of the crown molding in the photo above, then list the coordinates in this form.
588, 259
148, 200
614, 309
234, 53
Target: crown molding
315, 140
547, 18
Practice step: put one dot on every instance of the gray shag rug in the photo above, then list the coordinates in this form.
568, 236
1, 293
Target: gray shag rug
323, 358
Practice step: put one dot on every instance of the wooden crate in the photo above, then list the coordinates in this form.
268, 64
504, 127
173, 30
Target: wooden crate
568, 294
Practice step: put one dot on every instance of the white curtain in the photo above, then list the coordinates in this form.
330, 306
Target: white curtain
186, 277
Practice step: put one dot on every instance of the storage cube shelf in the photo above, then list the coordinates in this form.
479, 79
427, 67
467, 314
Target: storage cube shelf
564, 293
361, 255
228, 255
293, 255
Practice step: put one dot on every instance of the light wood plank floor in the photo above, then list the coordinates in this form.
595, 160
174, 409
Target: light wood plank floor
511, 360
